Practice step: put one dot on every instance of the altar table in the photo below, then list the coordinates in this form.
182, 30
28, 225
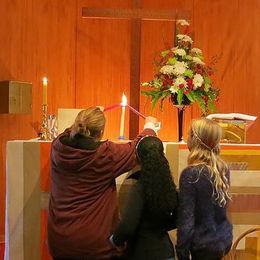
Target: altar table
28, 183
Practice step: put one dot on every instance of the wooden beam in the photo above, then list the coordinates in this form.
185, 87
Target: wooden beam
135, 55
144, 14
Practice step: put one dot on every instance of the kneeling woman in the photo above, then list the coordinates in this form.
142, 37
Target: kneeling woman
151, 208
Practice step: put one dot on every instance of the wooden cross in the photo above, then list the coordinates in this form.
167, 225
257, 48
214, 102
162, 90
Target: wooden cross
136, 15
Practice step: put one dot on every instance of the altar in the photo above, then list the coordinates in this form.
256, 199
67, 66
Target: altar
28, 183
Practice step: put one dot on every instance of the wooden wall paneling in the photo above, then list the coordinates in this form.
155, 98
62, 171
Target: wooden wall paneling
38, 39
2, 191
156, 36
104, 4
13, 43
231, 31
134, 55
134, 89
103, 65
247, 78
214, 25
55, 53
168, 4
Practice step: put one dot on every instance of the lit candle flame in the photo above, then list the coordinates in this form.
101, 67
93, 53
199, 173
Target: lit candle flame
124, 100
44, 85
45, 81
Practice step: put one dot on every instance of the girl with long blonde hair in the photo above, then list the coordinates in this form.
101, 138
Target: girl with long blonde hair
204, 231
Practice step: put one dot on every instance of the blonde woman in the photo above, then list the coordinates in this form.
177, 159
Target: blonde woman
204, 232
83, 209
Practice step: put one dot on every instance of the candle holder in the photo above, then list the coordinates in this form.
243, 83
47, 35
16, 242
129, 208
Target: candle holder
52, 127
44, 132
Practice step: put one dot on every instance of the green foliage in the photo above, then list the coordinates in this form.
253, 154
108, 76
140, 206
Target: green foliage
182, 73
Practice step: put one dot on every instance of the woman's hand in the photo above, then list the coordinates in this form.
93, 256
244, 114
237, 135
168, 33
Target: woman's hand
151, 119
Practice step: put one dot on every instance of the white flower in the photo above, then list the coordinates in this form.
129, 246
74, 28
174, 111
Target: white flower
196, 51
198, 61
179, 81
180, 52
184, 38
179, 67
197, 81
167, 69
183, 22
174, 89
180, 36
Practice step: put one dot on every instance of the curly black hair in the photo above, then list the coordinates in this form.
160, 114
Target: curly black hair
156, 179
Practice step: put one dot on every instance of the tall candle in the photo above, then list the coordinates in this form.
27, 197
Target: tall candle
44, 86
122, 119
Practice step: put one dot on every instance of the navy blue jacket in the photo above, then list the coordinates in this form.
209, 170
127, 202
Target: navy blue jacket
202, 224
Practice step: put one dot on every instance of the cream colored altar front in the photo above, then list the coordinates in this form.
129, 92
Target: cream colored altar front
27, 188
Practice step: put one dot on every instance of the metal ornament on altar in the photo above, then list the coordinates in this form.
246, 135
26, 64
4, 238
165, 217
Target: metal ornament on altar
234, 131
49, 128
52, 127
44, 135
234, 126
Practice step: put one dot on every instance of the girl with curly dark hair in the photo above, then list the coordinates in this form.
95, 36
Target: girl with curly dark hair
151, 208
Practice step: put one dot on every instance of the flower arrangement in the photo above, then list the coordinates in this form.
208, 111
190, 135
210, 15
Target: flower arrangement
182, 75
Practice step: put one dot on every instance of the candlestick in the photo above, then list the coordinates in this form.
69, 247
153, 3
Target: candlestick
44, 132
122, 123
122, 120
111, 107
44, 86
136, 112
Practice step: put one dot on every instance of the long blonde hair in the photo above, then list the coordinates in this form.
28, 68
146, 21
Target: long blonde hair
89, 122
203, 142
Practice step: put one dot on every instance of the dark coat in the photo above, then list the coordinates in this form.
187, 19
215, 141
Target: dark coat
83, 208
203, 226
144, 231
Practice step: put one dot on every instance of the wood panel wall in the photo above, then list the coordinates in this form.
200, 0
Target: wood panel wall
156, 35
87, 60
38, 39
103, 61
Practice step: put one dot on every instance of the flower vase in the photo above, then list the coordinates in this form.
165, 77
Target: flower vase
180, 110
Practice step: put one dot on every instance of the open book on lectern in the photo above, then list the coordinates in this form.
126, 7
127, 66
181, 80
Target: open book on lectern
234, 116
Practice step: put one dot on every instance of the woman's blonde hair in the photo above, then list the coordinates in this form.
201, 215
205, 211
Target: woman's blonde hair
203, 141
89, 122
